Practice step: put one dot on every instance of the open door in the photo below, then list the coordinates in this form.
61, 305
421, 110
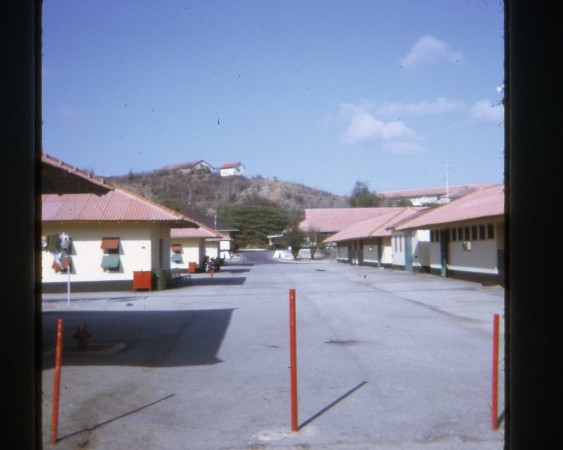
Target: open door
444, 241
408, 251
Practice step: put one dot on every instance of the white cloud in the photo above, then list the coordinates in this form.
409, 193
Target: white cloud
484, 111
439, 106
427, 51
363, 127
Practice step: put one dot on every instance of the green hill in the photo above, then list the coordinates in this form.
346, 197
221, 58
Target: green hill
211, 193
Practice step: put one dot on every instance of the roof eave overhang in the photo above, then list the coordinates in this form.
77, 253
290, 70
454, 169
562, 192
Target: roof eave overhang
429, 225
60, 181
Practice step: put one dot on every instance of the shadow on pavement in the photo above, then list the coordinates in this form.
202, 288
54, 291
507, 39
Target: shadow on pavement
105, 422
330, 405
231, 269
217, 281
144, 338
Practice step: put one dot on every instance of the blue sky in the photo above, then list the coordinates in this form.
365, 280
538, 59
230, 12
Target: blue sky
323, 93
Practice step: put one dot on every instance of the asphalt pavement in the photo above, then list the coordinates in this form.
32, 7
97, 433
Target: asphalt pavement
386, 360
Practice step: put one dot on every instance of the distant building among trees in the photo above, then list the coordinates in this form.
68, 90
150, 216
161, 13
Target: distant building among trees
231, 169
199, 166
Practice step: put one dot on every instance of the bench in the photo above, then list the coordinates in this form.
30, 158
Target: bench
179, 278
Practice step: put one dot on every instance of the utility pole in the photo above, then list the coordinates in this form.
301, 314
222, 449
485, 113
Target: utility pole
447, 183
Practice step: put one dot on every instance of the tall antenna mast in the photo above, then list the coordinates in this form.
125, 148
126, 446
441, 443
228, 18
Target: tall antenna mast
447, 183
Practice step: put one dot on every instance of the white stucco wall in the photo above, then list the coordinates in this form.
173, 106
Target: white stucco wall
342, 253
481, 256
225, 246
139, 250
232, 171
398, 249
386, 251
434, 250
371, 252
212, 249
193, 250
421, 249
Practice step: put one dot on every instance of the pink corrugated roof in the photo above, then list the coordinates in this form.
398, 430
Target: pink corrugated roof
116, 205
57, 163
375, 226
58, 177
332, 220
201, 232
231, 165
453, 191
484, 203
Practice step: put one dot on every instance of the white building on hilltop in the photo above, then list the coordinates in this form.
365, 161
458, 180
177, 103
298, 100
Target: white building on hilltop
231, 169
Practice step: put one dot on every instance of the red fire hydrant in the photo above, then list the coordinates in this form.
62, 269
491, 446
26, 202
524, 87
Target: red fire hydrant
81, 335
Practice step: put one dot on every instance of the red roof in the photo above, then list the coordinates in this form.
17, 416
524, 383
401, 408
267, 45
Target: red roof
332, 220
116, 205
487, 202
201, 232
452, 191
378, 226
58, 177
90, 204
231, 165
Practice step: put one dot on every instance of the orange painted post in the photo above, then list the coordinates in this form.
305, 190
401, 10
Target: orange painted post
494, 405
293, 359
57, 383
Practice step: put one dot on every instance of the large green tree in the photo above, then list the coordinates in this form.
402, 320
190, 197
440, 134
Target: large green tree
362, 197
314, 241
255, 223
294, 238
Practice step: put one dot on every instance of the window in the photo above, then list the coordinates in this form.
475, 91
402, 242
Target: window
110, 260
176, 253
57, 243
474, 232
466, 234
454, 234
482, 234
490, 231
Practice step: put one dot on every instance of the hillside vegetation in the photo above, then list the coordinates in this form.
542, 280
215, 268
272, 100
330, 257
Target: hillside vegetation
212, 193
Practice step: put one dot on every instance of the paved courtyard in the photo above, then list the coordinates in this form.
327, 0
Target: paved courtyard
386, 360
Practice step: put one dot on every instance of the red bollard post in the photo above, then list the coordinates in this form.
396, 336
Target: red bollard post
494, 404
57, 383
293, 359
